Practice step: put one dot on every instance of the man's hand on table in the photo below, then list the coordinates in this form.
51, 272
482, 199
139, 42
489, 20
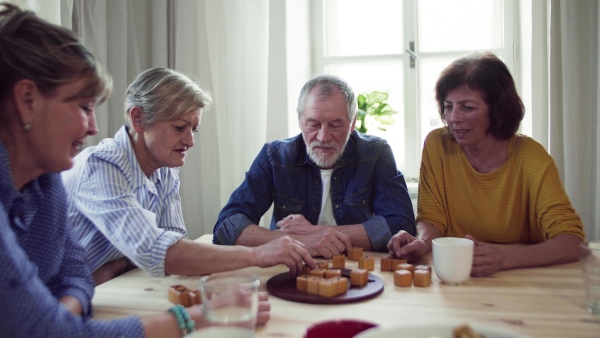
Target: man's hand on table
284, 250
320, 240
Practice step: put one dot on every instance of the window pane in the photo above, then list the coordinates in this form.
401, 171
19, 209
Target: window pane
355, 27
459, 25
366, 77
430, 72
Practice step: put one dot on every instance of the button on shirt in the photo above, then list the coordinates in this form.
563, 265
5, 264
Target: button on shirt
366, 188
117, 211
41, 262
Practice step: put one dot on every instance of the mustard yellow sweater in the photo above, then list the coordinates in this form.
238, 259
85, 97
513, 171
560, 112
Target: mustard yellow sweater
523, 201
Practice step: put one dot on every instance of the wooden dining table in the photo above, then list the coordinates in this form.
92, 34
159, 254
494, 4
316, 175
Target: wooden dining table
537, 302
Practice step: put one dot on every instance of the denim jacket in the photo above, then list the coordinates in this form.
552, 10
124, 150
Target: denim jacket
366, 188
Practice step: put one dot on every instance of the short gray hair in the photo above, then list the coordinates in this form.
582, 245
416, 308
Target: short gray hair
324, 85
163, 94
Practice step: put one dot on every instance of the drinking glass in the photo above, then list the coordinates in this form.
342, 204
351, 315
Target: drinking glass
230, 299
590, 257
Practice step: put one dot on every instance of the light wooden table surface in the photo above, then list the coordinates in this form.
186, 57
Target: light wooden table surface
539, 302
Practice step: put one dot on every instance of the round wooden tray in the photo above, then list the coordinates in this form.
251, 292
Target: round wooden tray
283, 286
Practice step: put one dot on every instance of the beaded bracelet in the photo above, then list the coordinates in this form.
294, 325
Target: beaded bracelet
186, 323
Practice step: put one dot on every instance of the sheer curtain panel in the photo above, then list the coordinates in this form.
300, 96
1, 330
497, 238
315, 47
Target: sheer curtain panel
574, 73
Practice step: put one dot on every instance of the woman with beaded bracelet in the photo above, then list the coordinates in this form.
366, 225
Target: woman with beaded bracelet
50, 84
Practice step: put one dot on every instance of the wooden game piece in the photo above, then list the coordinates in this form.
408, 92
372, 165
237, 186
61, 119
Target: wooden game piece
317, 273
302, 283
386, 263
403, 278
328, 288
405, 266
355, 253
330, 273
367, 263
339, 262
323, 265
359, 277
422, 277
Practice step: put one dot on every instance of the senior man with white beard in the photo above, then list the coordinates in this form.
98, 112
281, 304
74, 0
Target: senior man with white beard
332, 187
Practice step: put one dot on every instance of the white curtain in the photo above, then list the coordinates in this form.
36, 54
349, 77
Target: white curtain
226, 45
127, 37
238, 40
50, 10
565, 85
574, 109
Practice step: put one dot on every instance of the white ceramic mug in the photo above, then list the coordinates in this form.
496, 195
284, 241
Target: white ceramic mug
230, 299
452, 259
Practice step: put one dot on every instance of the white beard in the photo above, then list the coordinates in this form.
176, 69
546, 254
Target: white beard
322, 160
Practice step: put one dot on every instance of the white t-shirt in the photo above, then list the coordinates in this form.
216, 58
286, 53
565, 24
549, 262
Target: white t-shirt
326, 216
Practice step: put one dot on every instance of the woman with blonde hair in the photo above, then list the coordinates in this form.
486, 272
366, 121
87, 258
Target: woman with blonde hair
124, 192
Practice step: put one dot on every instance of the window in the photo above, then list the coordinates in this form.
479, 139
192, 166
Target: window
401, 47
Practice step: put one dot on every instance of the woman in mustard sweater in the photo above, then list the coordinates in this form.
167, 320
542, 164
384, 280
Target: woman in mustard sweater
481, 180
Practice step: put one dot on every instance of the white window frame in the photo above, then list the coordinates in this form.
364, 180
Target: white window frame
412, 130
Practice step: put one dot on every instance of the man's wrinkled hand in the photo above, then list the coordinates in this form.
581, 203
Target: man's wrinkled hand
297, 225
326, 243
320, 240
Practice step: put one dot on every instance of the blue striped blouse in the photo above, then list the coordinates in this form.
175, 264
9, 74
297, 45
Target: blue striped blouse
117, 211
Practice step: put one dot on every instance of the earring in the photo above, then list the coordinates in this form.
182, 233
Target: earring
27, 126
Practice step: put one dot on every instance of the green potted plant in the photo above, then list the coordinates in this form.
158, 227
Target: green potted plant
374, 111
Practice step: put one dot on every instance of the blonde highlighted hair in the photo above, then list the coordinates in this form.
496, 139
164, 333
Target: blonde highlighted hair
163, 94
